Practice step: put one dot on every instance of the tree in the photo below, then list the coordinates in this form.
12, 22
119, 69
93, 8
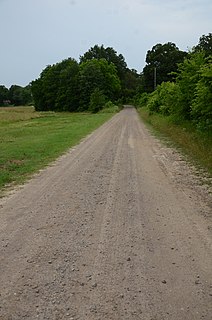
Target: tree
163, 60
97, 101
201, 107
57, 87
3, 95
109, 54
97, 74
131, 82
20, 96
187, 78
205, 45
129, 79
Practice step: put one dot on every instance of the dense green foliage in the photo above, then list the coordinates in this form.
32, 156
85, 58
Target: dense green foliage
15, 95
173, 83
3, 95
161, 62
109, 54
57, 87
97, 74
189, 95
204, 45
73, 86
129, 79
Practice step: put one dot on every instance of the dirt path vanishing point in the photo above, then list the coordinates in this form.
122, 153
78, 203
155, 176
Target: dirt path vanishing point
116, 229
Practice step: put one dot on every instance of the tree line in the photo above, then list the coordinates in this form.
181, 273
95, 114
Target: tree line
100, 76
173, 82
184, 89
15, 95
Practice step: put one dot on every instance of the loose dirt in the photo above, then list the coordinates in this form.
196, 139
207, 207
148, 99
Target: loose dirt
118, 228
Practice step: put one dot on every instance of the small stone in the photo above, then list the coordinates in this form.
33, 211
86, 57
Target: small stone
94, 285
49, 262
164, 282
129, 259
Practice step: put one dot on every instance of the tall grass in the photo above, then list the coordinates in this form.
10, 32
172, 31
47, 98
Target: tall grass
197, 145
29, 140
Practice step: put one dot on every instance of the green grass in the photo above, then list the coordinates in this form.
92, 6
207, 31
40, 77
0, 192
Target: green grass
30, 140
197, 146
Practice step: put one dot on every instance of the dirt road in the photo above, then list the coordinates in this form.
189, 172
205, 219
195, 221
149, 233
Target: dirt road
116, 229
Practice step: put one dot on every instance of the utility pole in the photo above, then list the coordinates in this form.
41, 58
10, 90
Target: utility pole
155, 78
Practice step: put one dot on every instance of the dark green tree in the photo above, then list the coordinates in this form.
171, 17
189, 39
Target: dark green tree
57, 87
188, 75
20, 95
109, 54
3, 95
97, 101
98, 73
205, 45
161, 61
128, 78
132, 82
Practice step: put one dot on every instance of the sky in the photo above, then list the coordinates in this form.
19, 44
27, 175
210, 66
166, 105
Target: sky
37, 33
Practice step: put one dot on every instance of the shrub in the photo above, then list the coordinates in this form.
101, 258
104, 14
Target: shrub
143, 99
201, 108
97, 101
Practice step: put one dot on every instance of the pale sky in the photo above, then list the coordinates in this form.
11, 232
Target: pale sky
36, 33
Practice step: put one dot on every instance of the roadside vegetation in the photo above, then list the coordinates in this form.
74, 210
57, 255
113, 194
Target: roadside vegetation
29, 140
196, 145
181, 109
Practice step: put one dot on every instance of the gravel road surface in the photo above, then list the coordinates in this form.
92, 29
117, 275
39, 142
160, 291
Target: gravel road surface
118, 228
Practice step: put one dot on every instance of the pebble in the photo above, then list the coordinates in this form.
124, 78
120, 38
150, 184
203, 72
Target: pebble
94, 285
164, 282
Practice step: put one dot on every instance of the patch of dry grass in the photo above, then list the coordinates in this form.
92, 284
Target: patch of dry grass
198, 146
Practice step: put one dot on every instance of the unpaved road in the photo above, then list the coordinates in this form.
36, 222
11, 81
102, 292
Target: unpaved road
116, 229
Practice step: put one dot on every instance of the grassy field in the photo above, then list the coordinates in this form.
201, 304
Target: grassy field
30, 140
197, 146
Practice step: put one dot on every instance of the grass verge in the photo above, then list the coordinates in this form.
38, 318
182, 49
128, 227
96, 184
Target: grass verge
198, 146
30, 140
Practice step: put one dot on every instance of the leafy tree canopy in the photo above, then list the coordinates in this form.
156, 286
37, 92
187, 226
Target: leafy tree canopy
165, 58
3, 94
205, 44
109, 54
57, 87
98, 73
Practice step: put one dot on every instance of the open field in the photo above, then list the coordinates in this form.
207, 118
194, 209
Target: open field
196, 145
29, 140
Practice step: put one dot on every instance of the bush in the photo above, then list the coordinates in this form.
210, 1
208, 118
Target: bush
201, 108
153, 103
143, 99
97, 101
110, 107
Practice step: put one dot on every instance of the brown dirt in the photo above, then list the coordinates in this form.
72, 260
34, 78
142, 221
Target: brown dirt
119, 228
